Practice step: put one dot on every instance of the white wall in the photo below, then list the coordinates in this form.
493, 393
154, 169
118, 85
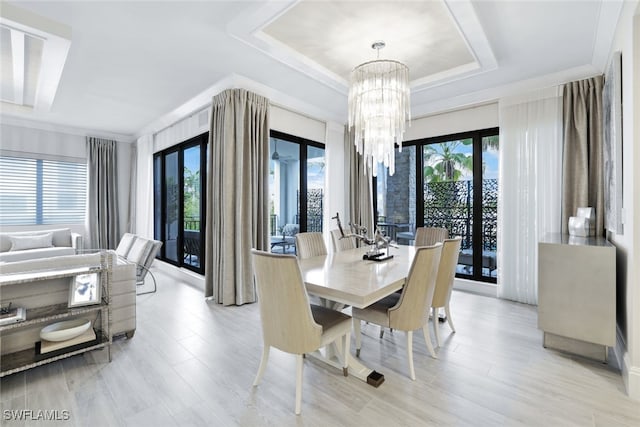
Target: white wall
462, 120
287, 121
628, 244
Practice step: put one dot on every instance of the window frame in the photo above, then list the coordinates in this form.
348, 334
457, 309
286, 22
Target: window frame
304, 143
476, 136
202, 141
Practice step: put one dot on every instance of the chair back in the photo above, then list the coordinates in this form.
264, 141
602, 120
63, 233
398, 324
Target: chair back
412, 310
446, 271
125, 244
310, 244
140, 251
287, 322
428, 236
340, 244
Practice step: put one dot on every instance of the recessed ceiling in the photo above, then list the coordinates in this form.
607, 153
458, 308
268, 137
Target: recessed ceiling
136, 66
338, 35
33, 52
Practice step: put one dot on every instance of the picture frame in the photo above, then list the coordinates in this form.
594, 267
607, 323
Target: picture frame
612, 145
85, 289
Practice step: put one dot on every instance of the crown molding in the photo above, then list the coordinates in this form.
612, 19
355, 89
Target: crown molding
236, 81
58, 128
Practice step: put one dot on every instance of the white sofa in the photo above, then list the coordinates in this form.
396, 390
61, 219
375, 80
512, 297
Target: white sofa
26, 245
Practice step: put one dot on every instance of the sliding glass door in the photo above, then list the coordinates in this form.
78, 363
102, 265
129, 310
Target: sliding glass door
179, 177
296, 188
449, 182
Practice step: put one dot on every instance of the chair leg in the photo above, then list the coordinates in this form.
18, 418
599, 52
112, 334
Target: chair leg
435, 321
263, 364
298, 383
448, 313
427, 339
155, 285
412, 372
356, 331
381, 331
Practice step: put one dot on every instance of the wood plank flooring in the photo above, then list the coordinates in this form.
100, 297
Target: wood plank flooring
192, 362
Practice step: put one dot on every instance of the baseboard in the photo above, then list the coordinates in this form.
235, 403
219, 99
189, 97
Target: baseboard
181, 274
630, 374
480, 288
631, 378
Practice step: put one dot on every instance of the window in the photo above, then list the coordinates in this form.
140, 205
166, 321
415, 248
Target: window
179, 175
456, 188
296, 187
38, 191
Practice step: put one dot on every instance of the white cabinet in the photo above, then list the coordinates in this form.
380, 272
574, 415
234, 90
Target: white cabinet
577, 294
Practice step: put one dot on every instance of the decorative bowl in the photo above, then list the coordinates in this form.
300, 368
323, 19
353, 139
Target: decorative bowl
62, 331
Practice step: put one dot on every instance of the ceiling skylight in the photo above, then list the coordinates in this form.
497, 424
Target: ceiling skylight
33, 52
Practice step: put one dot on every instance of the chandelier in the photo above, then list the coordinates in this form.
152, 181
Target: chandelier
378, 109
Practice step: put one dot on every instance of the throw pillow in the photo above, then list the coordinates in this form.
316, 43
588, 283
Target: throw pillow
21, 243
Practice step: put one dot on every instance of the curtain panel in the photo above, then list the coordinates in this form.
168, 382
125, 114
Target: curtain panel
360, 184
102, 194
143, 202
238, 198
529, 196
583, 180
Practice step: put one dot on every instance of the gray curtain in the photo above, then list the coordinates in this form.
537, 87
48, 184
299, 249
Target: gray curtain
582, 181
237, 194
102, 178
360, 184
133, 187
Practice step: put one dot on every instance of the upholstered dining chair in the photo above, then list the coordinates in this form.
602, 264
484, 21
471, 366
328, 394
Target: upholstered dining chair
340, 244
289, 322
444, 282
427, 236
310, 244
409, 310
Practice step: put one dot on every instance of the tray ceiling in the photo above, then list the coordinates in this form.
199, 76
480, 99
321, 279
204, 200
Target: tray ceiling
134, 67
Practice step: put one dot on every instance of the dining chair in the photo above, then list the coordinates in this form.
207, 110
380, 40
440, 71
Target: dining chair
444, 282
409, 310
310, 244
342, 244
427, 236
289, 322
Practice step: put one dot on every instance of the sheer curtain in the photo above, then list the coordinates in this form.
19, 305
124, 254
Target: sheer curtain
237, 194
360, 184
144, 187
529, 198
102, 194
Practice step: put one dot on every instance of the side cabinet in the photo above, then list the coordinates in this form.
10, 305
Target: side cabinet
577, 294
44, 293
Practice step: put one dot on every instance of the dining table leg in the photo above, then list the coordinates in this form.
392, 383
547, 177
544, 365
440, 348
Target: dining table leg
332, 352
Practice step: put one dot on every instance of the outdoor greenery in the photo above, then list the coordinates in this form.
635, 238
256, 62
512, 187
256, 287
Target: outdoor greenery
445, 163
191, 199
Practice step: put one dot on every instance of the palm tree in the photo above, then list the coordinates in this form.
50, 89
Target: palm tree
445, 162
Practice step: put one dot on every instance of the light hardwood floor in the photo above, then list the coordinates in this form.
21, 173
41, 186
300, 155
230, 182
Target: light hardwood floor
192, 362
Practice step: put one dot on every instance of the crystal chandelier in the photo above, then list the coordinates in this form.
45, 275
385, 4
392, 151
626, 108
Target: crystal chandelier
378, 109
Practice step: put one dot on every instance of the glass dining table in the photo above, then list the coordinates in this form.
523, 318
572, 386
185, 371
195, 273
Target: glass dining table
344, 278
